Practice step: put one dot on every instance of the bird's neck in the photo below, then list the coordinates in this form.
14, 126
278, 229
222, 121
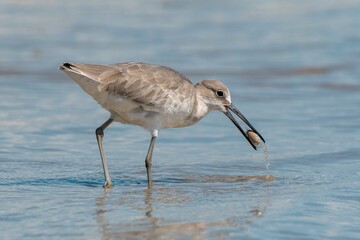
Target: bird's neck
200, 108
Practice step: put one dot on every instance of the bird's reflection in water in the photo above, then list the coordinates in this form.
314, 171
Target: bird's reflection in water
148, 199
160, 213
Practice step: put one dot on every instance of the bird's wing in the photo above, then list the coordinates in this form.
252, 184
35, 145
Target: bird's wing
145, 84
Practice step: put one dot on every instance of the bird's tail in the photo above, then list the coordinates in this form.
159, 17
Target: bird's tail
86, 75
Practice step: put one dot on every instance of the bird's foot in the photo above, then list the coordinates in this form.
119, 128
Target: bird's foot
107, 184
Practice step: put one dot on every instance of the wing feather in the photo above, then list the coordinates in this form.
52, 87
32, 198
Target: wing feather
145, 84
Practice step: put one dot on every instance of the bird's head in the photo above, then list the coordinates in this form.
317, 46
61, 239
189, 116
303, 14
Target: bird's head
217, 97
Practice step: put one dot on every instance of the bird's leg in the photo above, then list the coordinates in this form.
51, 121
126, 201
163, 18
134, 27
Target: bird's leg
99, 137
149, 157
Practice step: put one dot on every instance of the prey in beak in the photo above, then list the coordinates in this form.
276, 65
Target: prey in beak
252, 135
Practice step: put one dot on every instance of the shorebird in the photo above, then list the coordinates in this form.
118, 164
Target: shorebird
154, 97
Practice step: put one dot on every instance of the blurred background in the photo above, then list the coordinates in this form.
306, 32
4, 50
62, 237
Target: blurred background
292, 68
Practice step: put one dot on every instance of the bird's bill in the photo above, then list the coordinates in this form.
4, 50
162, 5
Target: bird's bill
233, 109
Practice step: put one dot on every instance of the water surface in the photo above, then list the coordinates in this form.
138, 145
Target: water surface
292, 68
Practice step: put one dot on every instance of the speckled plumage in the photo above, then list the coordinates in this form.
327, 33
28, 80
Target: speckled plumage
139, 93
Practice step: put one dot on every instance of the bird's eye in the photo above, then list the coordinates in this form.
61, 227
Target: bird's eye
220, 93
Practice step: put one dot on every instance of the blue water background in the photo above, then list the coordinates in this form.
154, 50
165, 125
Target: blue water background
292, 68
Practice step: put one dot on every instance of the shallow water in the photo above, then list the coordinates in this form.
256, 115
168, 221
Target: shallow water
293, 71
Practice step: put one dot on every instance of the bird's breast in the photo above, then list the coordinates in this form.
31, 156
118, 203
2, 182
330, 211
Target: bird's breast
174, 113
